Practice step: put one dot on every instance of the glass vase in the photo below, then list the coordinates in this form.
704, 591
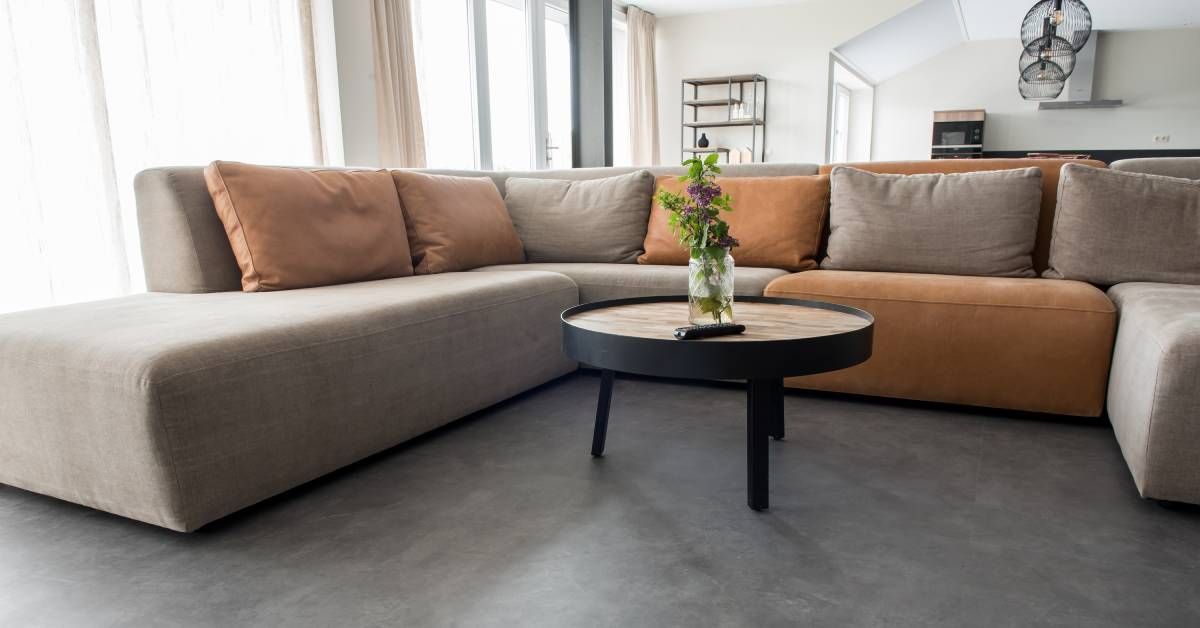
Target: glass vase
710, 286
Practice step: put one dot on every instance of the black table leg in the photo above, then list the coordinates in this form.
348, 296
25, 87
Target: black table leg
764, 418
602, 405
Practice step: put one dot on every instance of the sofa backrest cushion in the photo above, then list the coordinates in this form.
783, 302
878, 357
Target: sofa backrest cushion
456, 223
1049, 168
970, 223
1114, 227
185, 249
596, 220
1181, 167
778, 220
296, 228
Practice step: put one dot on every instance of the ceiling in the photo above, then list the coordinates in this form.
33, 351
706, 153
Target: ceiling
935, 26
1000, 19
668, 8
986, 19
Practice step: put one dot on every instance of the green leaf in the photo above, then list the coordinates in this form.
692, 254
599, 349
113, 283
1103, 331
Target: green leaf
711, 159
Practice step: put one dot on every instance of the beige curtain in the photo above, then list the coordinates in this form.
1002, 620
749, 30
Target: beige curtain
643, 91
397, 103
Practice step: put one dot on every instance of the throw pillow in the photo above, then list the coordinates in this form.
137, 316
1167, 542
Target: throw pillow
592, 220
456, 223
1114, 227
975, 223
778, 221
296, 227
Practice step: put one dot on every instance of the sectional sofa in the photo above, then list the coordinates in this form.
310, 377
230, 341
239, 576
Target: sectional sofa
194, 400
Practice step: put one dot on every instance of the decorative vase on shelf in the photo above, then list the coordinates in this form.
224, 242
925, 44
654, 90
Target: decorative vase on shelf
703, 141
710, 286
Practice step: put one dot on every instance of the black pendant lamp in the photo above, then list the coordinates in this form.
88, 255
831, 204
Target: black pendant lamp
1045, 90
1051, 33
1048, 51
1069, 19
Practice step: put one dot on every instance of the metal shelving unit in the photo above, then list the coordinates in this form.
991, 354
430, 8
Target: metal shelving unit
747, 85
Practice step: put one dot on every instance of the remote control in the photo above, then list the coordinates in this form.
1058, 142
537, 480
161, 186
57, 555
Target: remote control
695, 332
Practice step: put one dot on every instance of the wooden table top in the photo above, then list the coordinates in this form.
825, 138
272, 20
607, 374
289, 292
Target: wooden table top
763, 321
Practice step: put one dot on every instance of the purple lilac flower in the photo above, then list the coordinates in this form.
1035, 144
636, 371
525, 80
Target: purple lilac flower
703, 193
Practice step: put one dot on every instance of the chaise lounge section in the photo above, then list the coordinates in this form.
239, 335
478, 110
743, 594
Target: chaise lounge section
1154, 389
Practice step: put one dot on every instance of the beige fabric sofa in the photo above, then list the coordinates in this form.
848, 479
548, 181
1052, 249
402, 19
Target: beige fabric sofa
185, 404
1154, 386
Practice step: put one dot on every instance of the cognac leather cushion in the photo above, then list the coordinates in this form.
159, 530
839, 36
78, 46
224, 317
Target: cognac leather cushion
1116, 227
1040, 345
971, 223
456, 223
593, 220
297, 228
1049, 168
778, 220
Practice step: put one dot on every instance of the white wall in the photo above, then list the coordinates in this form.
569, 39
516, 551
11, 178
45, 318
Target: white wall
1154, 72
788, 44
356, 79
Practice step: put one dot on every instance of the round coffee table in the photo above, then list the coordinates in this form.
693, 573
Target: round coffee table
783, 338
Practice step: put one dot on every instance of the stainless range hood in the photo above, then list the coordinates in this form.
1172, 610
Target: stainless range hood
1079, 86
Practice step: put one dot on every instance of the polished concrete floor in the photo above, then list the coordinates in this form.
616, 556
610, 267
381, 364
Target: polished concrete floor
882, 514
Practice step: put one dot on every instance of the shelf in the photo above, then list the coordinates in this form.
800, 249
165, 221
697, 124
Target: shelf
719, 102
719, 123
722, 80
706, 150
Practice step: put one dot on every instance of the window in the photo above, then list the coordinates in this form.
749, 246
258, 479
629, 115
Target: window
495, 80
840, 143
851, 110
444, 69
102, 89
620, 91
558, 86
508, 65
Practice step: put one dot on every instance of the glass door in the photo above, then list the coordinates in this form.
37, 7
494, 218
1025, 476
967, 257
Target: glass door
557, 140
497, 93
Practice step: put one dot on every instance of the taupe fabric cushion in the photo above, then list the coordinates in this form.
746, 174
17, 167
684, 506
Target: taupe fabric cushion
1113, 227
178, 409
973, 223
598, 282
597, 220
1182, 167
1153, 391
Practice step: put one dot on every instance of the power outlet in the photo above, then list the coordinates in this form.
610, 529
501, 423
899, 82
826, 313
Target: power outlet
1162, 139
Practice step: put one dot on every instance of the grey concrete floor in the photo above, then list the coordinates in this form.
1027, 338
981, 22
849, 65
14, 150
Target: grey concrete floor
882, 514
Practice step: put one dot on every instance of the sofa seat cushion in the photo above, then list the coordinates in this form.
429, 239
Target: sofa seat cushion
178, 409
1154, 389
598, 282
1017, 343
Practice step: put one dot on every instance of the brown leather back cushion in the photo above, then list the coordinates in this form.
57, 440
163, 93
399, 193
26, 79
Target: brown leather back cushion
297, 228
778, 220
1049, 167
456, 223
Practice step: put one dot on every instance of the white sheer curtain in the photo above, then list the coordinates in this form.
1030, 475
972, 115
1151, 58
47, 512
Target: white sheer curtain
92, 91
643, 88
397, 101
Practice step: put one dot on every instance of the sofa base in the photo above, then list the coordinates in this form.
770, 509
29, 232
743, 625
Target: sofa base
1035, 345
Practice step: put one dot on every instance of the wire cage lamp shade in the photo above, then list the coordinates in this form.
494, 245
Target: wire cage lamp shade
1068, 19
1044, 90
1046, 52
